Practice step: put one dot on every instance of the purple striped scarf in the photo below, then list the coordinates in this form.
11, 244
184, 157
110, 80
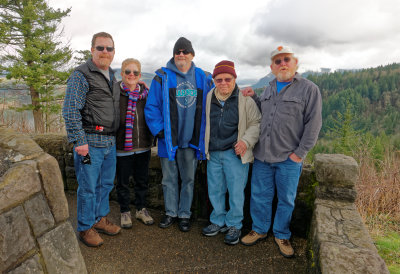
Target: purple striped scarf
131, 112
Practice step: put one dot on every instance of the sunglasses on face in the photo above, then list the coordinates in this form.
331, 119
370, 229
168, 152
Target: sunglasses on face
279, 61
101, 48
128, 71
220, 80
182, 51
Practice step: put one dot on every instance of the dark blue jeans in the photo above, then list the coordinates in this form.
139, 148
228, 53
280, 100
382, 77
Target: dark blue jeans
266, 177
136, 165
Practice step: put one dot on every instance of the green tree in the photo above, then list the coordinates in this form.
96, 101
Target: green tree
34, 53
345, 138
83, 56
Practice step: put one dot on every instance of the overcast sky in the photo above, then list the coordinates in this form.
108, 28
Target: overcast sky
324, 33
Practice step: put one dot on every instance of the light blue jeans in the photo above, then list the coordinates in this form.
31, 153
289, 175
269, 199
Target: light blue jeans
284, 177
178, 203
95, 182
225, 172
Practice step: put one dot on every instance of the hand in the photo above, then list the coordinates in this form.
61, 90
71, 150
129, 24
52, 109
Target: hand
82, 150
295, 158
144, 84
240, 148
248, 91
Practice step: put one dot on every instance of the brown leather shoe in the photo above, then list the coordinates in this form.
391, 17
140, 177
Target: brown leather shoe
285, 248
252, 238
107, 227
90, 238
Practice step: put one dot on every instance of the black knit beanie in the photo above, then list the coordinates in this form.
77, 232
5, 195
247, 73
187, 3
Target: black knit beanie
184, 44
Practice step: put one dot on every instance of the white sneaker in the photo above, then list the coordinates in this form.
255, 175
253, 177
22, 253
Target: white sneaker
126, 220
144, 216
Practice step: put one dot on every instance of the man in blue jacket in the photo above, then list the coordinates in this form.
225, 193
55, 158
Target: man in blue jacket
175, 114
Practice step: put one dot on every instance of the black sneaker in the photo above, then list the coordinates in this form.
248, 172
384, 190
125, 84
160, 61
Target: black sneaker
167, 221
184, 224
233, 235
213, 230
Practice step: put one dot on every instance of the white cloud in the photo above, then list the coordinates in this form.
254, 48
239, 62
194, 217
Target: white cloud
329, 33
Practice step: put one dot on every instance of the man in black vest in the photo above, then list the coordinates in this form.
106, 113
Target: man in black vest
91, 114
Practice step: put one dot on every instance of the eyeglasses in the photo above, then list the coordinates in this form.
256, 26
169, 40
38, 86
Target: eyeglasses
279, 61
128, 71
101, 48
220, 80
182, 51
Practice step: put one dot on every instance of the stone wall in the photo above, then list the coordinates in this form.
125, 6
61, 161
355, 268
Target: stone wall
57, 145
339, 240
35, 235
324, 209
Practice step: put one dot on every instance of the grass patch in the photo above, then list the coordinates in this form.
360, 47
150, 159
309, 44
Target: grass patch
385, 232
389, 249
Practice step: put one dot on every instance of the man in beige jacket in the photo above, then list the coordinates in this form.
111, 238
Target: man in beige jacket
232, 130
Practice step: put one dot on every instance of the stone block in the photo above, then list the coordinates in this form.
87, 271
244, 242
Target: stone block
15, 237
51, 143
39, 214
355, 231
6, 159
30, 266
337, 258
70, 172
25, 147
71, 184
305, 178
69, 159
18, 183
336, 193
60, 250
323, 220
335, 170
335, 204
53, 186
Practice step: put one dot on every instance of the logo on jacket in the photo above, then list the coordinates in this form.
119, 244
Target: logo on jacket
186, 94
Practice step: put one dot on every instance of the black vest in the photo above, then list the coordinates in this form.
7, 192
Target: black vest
100, 114
224, 121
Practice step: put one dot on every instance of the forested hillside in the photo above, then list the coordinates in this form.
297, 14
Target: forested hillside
370, 96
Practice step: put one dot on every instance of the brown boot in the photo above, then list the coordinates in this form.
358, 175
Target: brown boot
252, 238
285, 248
107, 227
90, 238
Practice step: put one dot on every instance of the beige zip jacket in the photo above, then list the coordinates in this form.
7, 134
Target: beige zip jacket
248, 127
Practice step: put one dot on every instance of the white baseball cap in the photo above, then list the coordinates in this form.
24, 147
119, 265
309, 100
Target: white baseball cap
280, 50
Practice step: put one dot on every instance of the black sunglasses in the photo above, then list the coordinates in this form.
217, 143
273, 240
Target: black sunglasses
182, 51
101, 48
128, 71
279, 61
219, 81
